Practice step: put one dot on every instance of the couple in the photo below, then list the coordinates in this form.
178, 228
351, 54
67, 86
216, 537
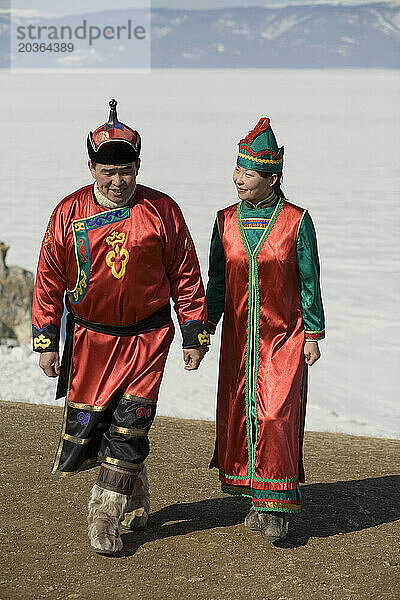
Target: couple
119, 251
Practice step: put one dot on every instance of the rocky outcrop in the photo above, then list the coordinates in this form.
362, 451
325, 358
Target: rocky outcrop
16, 291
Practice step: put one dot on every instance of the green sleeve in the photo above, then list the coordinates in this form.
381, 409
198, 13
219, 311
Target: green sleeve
215, 295
309, 276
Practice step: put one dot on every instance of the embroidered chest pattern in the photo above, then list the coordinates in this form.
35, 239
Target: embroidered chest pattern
117, 258
256, 223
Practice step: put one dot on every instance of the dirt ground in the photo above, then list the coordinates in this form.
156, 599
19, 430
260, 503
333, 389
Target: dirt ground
345, 545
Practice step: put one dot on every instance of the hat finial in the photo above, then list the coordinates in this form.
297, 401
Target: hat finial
112, 117
113, 143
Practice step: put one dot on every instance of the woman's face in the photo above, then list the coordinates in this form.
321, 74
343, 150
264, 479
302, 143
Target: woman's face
251, 186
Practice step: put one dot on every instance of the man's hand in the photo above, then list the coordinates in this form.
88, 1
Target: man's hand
49, 362
192, 357
311, 352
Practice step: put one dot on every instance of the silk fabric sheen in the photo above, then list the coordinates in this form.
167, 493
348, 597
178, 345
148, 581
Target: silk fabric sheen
268, 425
120, 266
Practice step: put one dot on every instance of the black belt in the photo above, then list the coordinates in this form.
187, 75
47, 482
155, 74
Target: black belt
158, 319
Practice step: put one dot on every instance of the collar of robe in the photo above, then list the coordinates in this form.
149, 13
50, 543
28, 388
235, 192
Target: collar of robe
270, 200
106, 202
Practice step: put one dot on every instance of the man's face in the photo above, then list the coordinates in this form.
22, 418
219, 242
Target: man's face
251, 186
116, 182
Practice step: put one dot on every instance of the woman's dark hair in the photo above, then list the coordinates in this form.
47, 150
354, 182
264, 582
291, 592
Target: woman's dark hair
277, 185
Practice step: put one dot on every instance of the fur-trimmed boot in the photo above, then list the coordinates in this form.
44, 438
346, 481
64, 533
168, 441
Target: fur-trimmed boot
138, 507
106, 510
273, 525
252, 520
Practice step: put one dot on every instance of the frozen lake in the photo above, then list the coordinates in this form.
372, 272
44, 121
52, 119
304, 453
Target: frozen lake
341, 135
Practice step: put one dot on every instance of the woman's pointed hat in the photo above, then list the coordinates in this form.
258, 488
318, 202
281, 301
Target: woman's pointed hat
113, 143
259, 151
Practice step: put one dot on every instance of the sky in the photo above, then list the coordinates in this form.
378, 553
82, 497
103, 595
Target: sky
58, 7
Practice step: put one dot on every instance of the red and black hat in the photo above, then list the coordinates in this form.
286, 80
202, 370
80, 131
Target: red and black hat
113, 143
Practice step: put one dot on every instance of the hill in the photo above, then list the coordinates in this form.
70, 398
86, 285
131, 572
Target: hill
296, 35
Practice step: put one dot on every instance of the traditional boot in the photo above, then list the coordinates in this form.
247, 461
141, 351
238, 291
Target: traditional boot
106, 509
252, 520
107, 506
274, 525
138, 507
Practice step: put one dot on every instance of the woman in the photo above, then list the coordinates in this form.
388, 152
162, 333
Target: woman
264, 277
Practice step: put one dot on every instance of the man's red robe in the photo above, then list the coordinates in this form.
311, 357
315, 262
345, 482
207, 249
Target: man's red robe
118, 267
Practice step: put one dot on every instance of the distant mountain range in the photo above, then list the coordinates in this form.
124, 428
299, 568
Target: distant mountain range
312, 36
292, 36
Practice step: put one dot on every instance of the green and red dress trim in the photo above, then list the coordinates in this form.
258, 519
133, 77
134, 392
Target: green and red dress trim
315, 336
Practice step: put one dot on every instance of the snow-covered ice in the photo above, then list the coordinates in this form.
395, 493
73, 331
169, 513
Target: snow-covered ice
340, 131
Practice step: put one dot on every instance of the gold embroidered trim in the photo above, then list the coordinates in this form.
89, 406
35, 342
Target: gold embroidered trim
122, 463
275, 505
89, 407
41, 342
93, 462
76, 440
261, 160
126, 431
80, 286
204, 338
48, 236
139, 399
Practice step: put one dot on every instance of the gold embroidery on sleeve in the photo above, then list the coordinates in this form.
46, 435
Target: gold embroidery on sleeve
204, 338
48, 236
41, 342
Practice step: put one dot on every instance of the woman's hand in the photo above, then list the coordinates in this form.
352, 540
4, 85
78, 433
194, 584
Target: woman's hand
311, 352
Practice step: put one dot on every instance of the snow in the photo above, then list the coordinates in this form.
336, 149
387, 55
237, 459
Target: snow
281, 26
340, 131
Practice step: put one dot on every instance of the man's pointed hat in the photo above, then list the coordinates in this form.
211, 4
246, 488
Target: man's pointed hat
259, 150
113, 143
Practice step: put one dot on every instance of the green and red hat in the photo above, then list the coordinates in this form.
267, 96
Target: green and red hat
259, 151
113, 143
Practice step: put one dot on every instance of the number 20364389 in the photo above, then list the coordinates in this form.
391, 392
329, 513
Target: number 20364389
53, 47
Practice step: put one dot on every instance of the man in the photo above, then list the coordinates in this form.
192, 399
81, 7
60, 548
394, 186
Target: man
120, 251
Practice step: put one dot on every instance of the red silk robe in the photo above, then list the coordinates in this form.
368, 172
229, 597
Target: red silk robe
117, 267
262, 377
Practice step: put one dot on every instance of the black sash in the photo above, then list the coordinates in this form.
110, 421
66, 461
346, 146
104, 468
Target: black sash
158, 319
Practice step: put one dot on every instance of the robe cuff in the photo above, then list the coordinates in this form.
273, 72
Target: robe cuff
315, 336
194, 335
46, 339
